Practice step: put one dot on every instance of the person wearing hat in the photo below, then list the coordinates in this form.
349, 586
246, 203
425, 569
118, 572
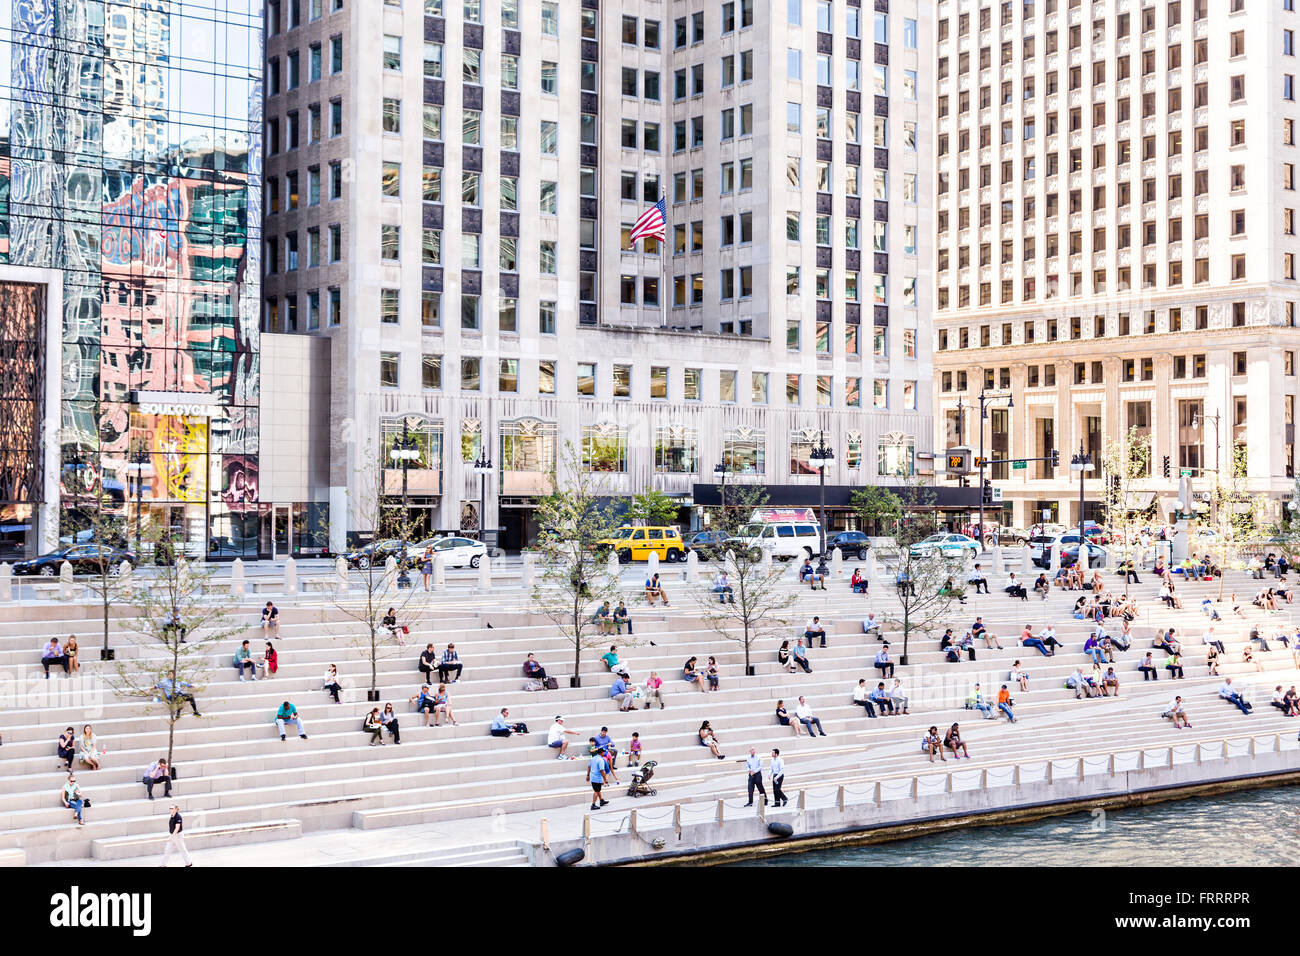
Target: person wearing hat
176, 837
555, 737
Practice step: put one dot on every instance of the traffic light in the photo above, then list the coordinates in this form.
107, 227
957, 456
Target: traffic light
1166, 466
1056, 458
986, 492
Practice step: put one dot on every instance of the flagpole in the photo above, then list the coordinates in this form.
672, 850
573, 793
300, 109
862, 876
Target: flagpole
663, 272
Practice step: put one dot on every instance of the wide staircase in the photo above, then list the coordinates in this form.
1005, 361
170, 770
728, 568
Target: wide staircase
239, 783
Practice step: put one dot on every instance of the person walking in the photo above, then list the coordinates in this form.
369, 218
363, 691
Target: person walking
176, 838
754, 764
777, 768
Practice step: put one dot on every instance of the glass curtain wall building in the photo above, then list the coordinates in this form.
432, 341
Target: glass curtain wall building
130, 151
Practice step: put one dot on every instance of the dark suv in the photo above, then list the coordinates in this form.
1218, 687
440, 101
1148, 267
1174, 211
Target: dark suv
707, 544
850, 543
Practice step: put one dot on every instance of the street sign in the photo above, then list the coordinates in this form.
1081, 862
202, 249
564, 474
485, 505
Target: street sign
1184, 472
1020, 464
997, 494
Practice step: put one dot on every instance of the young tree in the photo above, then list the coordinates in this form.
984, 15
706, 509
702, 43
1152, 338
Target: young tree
1126, 463
652, 507
755, 582
876, 505
379, 586
106, 530
926, 602
177, 626
1233, 513
574, 570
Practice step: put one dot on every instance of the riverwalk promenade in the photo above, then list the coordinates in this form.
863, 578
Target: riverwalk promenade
453, 795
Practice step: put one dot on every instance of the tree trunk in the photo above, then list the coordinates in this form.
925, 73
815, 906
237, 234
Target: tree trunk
173, 711
577, 635
374, 654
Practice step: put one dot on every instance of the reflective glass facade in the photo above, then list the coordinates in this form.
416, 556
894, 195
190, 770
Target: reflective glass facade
130, 157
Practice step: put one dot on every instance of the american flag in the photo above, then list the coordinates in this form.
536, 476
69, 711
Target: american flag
651, 223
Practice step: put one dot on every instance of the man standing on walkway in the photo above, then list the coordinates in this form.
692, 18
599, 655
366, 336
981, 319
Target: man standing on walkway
754, 765
779, 798
176, 838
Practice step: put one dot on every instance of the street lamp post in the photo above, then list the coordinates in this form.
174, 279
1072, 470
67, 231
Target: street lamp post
986, 402
142, 469
821, 454
1082, 463
721, 469
482, 467
404, 451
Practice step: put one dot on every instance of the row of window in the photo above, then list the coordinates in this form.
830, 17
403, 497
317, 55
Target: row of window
1007, 9
472, 374
1177, 320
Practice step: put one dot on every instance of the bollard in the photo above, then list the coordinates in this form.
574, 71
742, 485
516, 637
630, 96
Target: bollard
612, 565
677, 819
1277, 743
837, 562
869, 567
1198, 754
767, 562
631, 820
1080, 768
546, 833
720, 806
1110, 762
652, 564
1142, 759
586, 826
238, 586
340, 574
1171, 756
1026, 561
692, 567
484, 573
877, 795
440, 571
998, 566
803, 800
984, 779
290, 576
1252, 746
1015, 776
65, 581
915, 790
1049, 772
530, 569
762, 811
839, 799
1225, 751
6, 582
947, 784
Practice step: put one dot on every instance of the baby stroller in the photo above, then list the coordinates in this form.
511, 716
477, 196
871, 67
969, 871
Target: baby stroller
640, 785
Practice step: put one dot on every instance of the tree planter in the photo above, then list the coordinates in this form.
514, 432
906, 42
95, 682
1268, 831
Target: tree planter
749, 670
575, 681
107, 654
372, 695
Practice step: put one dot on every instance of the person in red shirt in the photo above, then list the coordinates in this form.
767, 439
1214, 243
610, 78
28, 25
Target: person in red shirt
1004, 703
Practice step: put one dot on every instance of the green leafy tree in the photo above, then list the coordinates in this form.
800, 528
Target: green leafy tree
652, 507
1234, 515
755, 581
877, 506
574, 569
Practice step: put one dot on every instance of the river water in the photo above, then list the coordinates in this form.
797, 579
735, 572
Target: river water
1249, 828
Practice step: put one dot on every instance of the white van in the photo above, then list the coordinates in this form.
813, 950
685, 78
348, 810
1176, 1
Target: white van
782, 539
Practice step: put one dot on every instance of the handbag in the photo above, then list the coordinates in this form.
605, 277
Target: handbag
406, 629
86, 802
552, 684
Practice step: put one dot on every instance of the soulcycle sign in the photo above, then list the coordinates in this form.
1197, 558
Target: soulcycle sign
188, 404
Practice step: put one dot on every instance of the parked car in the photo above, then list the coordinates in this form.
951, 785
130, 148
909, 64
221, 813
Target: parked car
781, 539
376, 552
636, 544
1098, 557
84, 558
454, 550
707, 544
850, 543
949, 545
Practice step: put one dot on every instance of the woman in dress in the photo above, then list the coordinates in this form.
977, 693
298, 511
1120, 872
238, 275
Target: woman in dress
707, 739
89, 749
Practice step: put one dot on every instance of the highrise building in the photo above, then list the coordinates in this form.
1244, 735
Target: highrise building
129, 269
1115, 212
450, 187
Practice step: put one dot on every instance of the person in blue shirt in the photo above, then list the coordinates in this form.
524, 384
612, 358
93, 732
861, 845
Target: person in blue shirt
800, 656
597, 776
424, 701
619, 692
904, 582
502, 727
288, 714
606, 743
884, 664
450, 662
882, 699
175, 690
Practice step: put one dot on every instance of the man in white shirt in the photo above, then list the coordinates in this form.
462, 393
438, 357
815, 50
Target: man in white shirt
898, 696
862, 697
814, 629
1229, 694
976, 577
754, 767
779, 798
1048, 636
805, 715
1177, 714
722, 588
1210, 640
555, 737
872, 623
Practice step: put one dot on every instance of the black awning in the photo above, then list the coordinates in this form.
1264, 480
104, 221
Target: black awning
838, 496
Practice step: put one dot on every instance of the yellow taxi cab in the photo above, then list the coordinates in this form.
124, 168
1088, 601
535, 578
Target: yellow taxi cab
636, 544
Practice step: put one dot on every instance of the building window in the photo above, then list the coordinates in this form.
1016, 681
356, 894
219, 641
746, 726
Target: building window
431, 371
586, 380
388, 369
896, 457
